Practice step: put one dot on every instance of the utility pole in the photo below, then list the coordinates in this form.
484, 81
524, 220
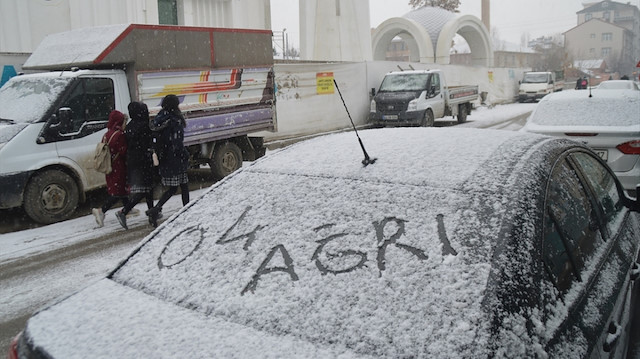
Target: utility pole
284, 43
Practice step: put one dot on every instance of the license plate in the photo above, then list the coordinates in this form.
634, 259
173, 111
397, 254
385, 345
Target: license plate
389, 117
604, 154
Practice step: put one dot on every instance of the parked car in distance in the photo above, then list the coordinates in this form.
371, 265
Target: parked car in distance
606, 120
618, 85
450, 243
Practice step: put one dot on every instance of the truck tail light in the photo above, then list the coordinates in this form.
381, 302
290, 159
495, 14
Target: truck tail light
630, 148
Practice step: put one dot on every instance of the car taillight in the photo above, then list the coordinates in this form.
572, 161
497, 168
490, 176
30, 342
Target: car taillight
13, 348
630, 148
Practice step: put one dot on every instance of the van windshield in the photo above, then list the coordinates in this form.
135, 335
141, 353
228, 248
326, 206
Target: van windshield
404, 82
535, 78
26, 99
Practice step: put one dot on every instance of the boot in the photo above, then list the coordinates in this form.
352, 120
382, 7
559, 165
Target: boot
153, 214
99, 215
122, 218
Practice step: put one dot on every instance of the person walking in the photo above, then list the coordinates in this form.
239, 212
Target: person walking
117, 178
139, 162
168, 127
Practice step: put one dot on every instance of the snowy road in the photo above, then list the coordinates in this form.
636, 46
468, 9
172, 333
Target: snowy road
41, 264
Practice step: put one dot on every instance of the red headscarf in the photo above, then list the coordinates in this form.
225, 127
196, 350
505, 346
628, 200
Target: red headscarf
116, 120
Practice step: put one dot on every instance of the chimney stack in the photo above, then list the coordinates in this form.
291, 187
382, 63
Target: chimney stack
486, 14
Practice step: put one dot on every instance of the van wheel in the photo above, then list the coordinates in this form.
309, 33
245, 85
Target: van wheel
50, 197
462, 113
226, 159
427, 121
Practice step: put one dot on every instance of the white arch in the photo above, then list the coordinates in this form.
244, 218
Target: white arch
414, 34
421, 47
476, 35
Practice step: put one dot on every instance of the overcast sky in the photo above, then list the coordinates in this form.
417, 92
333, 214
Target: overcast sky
511, 18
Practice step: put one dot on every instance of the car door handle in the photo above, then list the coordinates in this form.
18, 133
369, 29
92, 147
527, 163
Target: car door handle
615, 330
635, 271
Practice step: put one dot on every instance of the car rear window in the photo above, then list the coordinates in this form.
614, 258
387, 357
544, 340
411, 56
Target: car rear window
375, 266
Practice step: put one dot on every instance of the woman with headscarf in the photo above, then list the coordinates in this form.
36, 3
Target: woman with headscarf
139, 162
169, 127
117, 178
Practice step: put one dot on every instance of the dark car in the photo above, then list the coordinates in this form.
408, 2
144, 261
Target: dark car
449, 243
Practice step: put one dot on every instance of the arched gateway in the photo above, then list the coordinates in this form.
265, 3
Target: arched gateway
428, 32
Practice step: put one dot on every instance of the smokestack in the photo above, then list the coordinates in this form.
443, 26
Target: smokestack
486, 14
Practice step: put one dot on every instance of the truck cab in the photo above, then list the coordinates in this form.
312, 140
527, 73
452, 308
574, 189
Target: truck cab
536, 85
48, 134
405, 97
417, 98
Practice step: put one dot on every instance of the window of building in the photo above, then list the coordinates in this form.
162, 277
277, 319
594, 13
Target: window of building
606, 51
605, 16
607, 36
587, 16
168, 12
593, 35
592, 51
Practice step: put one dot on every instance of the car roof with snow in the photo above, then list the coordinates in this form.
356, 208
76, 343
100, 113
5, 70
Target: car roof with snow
607, 109
309, 253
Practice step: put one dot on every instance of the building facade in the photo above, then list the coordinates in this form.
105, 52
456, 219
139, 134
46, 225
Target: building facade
24, 23
609, 31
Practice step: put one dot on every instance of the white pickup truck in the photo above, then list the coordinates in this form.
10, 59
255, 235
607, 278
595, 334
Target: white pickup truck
536, 85
418, 97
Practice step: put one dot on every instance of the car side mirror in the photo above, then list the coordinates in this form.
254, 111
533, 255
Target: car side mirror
373, 91
633, 204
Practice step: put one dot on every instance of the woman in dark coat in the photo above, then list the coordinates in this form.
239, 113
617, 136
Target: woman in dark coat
169, 126
139, 162
117, 178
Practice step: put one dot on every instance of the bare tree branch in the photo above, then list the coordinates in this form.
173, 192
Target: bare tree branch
451, 5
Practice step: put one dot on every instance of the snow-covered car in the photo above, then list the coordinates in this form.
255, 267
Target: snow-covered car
445, 243
606, 120
618, 85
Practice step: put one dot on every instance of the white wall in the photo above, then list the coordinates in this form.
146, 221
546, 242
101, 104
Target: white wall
335, 30
24, 23
302, 111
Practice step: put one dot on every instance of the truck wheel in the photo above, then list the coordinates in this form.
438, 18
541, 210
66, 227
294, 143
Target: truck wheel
226, 159
50, 197
462, 113
427, 121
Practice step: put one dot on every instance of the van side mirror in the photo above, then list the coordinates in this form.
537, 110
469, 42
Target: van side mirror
64, 120
431, 91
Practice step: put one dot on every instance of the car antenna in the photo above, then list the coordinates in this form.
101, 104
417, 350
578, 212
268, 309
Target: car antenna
367, 161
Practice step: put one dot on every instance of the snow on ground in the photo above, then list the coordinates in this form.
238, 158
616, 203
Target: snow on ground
47, 238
